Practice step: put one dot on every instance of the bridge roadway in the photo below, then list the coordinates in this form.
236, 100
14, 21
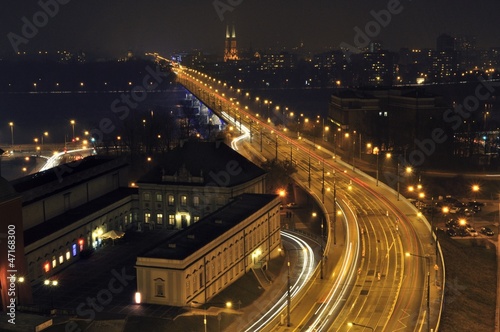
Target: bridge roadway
387, 291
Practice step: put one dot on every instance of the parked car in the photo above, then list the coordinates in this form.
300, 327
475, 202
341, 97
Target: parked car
472, 231
451, 223
462, 232
454, 209
451, 232
487, 231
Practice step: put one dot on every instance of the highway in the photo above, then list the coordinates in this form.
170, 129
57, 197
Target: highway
373, 284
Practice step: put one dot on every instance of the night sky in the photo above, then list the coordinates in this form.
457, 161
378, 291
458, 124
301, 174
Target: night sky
110, 27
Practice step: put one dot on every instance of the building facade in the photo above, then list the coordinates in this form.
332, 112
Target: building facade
192, 181
201, 260
66, 209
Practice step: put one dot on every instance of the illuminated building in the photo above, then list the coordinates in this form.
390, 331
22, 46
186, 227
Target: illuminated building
195, 264
192, 181
230, 50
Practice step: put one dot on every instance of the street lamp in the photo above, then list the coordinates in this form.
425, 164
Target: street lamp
19, 280
228, 305
72, 122
51, 283
11, 125
288, 296
351, 324
46, 133
428, 259
407, 170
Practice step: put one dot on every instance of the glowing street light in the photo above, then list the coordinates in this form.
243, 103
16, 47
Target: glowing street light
11, 125
72, 122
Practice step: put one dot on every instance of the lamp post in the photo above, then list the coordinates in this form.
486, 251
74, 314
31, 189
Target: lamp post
351, 324
227, 304
50, 284
46, 133
72, 122
407, 170
19, 280
428, 259
288, 296
11, 125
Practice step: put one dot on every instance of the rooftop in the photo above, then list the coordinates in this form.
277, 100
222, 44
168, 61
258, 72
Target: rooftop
203, 163
50, 226
187, 241
58, 173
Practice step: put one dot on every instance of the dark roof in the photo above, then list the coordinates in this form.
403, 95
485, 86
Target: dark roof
349, 94
199, 234
215, 162
58, 173
52, 225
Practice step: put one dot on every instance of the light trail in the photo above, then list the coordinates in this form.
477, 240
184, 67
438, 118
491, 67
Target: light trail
306, 273
243, 128
54, 160
340, 288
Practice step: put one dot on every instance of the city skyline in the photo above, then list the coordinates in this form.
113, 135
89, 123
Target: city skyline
181, 25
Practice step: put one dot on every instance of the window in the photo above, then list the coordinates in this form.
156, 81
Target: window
196, 218
183, 200
196, 200
159, 290
147, 217
61, 259
159, 197
54, 262
146, 196
159, 218
125, 219
171, 200
46, 267
68, 255
171, 219
159, 287
73, 249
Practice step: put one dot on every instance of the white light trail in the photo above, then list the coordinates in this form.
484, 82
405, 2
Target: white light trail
302, 280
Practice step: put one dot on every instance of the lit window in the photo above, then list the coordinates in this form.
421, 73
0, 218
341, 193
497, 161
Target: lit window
68, 255
159, 197
183, 200
46, 267
196, 201
171, 200
147, 217
171, 219
74, 250
54, 262
61, 259
80, 243
196, 218
159, 218
147, 196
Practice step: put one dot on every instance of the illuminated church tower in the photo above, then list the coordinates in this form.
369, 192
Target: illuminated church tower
230, 51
